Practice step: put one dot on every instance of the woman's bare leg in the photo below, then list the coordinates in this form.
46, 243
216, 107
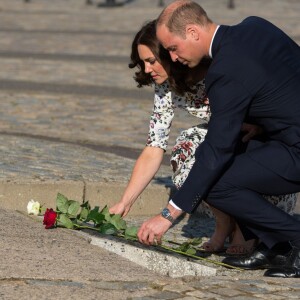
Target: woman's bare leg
227, 227
238, 245
224, 227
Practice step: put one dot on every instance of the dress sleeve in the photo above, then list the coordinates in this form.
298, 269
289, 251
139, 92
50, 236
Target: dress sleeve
161, 117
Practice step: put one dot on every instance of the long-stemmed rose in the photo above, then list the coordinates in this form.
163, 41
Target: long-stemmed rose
73, 215
50, 218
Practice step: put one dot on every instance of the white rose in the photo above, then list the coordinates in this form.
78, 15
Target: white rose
33, 207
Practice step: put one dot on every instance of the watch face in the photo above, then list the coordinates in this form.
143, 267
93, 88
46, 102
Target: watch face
165, 212
167, 215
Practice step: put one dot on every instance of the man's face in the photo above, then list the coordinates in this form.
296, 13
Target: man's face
185, 50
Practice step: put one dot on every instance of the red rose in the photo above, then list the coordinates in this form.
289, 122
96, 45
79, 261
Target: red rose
49, 218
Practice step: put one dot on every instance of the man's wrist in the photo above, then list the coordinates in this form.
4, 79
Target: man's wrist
171, 213
166, 214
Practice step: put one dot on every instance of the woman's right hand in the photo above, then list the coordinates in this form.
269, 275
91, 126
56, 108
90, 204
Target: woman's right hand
120, 209
144, 170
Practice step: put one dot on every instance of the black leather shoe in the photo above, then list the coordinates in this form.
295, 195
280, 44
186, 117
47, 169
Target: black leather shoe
261, 258
291, 269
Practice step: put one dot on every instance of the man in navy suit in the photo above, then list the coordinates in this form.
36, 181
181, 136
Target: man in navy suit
254, 76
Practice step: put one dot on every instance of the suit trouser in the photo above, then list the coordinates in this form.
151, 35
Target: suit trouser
238, 193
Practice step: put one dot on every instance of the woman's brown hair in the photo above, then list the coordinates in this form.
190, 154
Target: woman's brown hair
181, 78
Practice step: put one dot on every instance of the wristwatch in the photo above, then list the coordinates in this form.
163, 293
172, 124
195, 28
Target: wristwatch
167, 215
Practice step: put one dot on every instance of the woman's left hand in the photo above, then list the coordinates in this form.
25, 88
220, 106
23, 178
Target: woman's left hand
250, 130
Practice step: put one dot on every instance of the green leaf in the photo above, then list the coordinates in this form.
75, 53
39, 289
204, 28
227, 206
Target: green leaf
92, 214
86, 205
64, 221
184, 247
62, 203
73, 207
105, 212
83, 214
118, 222
99, 218
108, 228
195, 241
95, 216
131, 233
191, 251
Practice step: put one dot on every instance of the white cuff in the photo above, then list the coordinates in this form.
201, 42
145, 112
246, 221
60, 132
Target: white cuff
174, 205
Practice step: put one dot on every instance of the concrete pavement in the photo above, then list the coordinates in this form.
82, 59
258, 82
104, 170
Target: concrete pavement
36, 263
72, 121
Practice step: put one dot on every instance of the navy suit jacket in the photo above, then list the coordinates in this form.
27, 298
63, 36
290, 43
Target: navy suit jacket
255, 74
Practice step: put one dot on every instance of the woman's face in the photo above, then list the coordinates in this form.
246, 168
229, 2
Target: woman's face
152, 66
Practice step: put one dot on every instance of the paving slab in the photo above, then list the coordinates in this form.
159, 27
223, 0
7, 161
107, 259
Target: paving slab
154, 260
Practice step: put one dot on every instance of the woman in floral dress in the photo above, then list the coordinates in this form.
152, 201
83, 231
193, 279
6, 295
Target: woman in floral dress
181, 88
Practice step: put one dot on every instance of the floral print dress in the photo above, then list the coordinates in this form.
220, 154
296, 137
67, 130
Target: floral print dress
183, 153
